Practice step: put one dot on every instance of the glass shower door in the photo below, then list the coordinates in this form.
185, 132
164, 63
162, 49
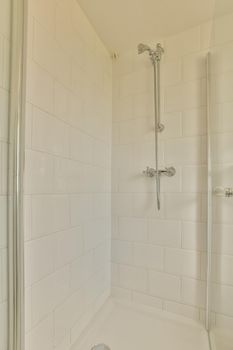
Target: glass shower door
5, 36
221, 169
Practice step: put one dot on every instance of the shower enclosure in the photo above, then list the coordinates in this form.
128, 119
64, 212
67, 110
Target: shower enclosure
12, 103
220, 203
100, 256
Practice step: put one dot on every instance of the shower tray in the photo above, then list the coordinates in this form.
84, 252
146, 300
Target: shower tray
128, 326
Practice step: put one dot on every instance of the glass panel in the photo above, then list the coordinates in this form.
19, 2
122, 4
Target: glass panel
5, 20
221, 135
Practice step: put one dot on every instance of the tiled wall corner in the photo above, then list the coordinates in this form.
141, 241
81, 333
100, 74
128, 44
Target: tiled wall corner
67, 174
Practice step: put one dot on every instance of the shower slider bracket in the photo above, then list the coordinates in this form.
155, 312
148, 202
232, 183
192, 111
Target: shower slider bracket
151, 172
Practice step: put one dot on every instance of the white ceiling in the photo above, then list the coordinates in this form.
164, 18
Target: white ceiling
121, 24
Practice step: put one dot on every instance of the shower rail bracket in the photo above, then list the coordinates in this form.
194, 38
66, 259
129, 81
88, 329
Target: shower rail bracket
151, 172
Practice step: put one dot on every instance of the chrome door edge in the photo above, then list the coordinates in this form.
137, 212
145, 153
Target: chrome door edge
15, 178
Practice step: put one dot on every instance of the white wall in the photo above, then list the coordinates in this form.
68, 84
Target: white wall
67, 177
158, 258
5, 17
222, 158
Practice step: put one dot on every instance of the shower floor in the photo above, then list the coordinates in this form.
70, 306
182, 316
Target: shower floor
129, 327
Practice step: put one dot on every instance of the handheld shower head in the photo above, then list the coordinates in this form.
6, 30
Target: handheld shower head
142, 48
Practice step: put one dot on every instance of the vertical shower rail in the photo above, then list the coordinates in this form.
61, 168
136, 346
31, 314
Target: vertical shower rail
156, 58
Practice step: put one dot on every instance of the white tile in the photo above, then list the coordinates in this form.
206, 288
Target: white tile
80, 146
148, 300
76, 111
101, 205
38, 172
68, 313
222, 146
222, 211
194, 66
143, 106
61, 101
49, 293
164, 286
49, 134
3, 274
148, 256
94, 233
206, 34
122, 204
28, 304
223, 85
171, 73
133, 229
144, 205
81, 270
183, 206
81, 208
122, 252
49, 214
101, 154
123, 109
122, 294
27, 218
224, 322
222, 269
4, 168
35, 267
42, 335
114, 274
173, 125
183, 262
194, 236
68, 246
182, 309
44, 12
222, 296
132, 278
3, 221
183, 151
184, 96
194, 122
5, 18
193, 292
48, 54
194, 179
165, 233
40, 87
223, 239
28, 125
4, 98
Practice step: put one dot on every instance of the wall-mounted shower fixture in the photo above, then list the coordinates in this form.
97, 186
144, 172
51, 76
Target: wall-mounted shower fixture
155, 57
223, 192
151, 172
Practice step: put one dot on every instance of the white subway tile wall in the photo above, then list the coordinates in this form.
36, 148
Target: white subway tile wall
5, 22
158, 258
67, 175
76, 155
222, 135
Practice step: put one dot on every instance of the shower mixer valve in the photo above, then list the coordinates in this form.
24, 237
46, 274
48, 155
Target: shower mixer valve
151, 172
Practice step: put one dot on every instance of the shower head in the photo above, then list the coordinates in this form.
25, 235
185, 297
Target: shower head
142, 48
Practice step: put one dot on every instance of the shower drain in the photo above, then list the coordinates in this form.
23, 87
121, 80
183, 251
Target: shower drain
100, 347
